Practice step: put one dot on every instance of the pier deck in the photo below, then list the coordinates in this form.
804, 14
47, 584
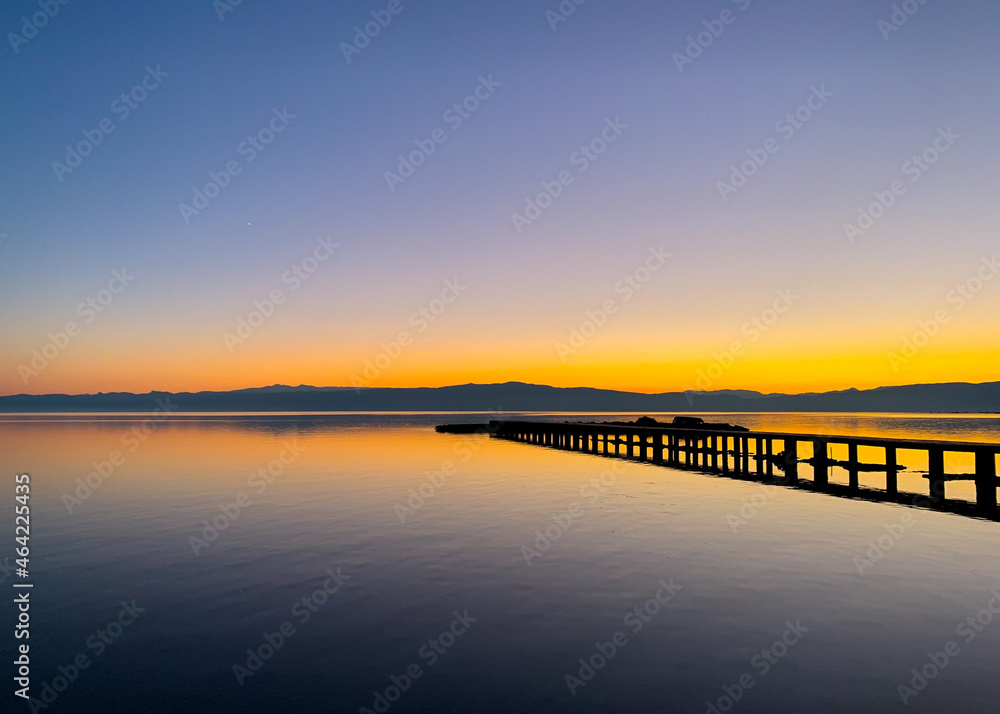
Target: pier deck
775, 457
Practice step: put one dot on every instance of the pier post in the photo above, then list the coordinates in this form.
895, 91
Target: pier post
986, 480
746, 454
658, 449
714, 439
852, 466
725, 454
791, 461
821, 470
758, 452
935, 473
630, 447
891, 471
769, 454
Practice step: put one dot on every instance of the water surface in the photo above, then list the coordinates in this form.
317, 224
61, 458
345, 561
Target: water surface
745, 562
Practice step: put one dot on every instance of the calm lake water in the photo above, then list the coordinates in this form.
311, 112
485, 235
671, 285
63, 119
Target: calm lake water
360, 554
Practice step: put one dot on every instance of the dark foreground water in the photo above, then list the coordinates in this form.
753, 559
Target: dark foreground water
349, 562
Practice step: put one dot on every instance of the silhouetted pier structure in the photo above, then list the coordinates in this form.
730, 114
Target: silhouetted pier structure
758, 455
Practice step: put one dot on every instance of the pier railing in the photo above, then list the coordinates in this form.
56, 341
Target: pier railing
759, 454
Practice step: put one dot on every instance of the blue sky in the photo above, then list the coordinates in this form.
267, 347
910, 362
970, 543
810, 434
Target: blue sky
325, 175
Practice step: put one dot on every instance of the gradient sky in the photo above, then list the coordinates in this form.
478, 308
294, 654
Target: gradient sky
656, 185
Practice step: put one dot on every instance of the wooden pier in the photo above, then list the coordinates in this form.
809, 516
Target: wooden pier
775, 457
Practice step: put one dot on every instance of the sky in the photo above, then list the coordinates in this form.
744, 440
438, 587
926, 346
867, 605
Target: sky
633, 195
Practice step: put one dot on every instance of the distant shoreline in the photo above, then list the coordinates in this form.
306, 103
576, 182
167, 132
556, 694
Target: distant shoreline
511, 397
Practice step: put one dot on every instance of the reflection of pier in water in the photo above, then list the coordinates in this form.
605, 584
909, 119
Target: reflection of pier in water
755, 455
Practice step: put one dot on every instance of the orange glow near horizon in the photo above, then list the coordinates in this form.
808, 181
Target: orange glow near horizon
648, 350
786, 371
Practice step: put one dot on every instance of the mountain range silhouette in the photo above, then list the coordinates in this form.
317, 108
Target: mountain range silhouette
517, 396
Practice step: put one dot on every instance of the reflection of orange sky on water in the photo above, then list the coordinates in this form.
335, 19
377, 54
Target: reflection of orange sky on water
192, 457
184, 454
